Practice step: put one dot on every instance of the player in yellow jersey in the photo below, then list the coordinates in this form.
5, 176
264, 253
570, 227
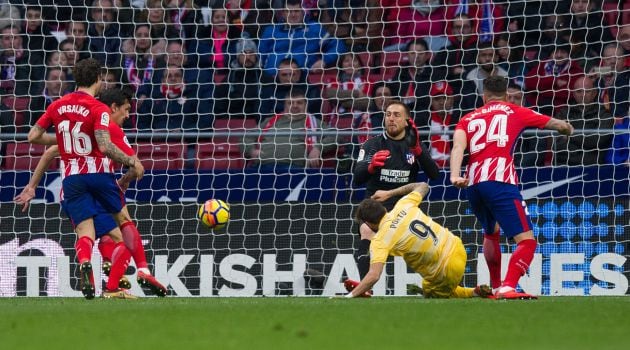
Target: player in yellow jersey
427, 247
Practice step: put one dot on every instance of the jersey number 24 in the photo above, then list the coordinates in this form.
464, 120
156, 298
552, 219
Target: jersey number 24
496, 132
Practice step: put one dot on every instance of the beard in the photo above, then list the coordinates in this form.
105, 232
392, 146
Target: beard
393, 131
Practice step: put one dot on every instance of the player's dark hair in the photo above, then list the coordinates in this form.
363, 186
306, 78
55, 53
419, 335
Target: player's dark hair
293, 2
495, 85
87, 72
111, 96
370, 211
405, 107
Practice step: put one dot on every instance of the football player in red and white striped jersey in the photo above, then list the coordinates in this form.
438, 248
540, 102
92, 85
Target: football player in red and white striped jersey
82, 135
490, 133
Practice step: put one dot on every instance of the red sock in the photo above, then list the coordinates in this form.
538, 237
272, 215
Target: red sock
106, 246
131, 236
83, 247
519, 262
120, 262
492, 253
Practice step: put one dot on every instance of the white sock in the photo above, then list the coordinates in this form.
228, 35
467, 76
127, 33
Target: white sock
145, 270
505, 289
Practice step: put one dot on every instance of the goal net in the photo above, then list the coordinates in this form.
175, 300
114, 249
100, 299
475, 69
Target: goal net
265, 104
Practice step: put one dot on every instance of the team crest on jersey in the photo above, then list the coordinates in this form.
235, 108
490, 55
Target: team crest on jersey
410, 158
105, 119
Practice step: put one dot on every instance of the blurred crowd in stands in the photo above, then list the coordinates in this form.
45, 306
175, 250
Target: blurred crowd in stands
236, 65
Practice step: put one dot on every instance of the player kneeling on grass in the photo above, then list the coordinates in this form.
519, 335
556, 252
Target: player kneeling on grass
428, 248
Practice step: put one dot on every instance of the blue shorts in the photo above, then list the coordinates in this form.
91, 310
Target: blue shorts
83, 192
493, 202
103, 221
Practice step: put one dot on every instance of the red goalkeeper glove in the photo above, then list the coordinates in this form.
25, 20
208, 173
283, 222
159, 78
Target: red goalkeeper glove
351, 284
378, 160
413, 138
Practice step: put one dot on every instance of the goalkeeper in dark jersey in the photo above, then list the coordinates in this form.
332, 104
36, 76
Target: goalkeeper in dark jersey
391, 160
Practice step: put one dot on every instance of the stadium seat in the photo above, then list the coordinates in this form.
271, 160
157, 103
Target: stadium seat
233, 125
366, 59
212, 156
394, 59
611, 15
386, 74
321, 78
161, 156
25, 156
19, 104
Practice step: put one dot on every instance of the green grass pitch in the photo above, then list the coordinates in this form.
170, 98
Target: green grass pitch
315, 323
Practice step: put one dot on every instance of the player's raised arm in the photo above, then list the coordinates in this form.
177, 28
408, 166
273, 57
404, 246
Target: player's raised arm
457, 157
28, 193
561, 126
420, 187
423, 156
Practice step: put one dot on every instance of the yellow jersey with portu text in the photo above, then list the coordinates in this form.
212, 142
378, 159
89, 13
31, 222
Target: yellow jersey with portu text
408, 232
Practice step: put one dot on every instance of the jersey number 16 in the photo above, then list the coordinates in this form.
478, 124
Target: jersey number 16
75, 141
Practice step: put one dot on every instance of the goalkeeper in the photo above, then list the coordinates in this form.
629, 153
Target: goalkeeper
428, 248
391, 160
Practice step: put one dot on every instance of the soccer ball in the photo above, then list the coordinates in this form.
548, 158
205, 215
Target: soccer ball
214, 213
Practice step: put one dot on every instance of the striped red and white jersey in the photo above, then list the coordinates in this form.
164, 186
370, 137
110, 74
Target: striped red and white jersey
491, 133
76, 117
119, 139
